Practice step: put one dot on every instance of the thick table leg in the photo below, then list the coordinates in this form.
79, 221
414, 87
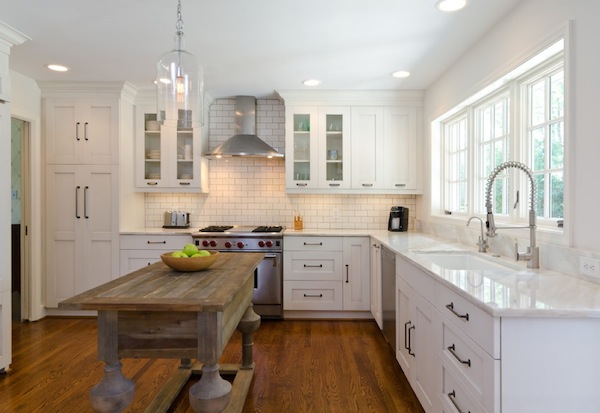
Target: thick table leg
211, 394
248, 325
114, 392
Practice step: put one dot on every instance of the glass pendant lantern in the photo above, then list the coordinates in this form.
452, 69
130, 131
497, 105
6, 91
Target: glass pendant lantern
179, 84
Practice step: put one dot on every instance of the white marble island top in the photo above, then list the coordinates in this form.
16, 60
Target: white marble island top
514, 291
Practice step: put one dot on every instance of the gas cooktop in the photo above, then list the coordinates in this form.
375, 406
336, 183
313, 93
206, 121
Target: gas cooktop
239, 230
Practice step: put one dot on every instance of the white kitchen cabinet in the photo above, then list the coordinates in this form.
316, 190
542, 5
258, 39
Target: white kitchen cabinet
168, 158
81, 130
356, 269
417, 337
82, 240
140, 250
318, 152
326, 273
376, 298
384, 148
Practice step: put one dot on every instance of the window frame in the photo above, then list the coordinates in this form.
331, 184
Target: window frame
518, 146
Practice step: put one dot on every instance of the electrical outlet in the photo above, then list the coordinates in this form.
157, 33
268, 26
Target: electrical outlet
589, 266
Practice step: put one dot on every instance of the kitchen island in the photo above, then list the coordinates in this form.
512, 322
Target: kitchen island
157, 312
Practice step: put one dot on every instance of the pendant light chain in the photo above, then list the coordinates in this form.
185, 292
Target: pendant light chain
179, 25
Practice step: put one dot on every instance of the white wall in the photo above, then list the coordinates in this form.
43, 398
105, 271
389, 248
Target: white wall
519, 35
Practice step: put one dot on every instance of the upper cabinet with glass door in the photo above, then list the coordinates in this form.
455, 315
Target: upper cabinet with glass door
334, 153
167, 156
301, 156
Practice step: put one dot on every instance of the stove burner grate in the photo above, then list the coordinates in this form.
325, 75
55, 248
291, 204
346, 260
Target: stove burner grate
277, 228
216, 228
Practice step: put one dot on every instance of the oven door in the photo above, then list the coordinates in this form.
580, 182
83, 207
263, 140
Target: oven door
268, 280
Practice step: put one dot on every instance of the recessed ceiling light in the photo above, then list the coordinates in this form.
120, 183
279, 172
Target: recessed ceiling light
57, 68
401, 74
311, 82
450, 5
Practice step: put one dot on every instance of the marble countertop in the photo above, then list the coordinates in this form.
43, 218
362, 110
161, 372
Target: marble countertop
511, 290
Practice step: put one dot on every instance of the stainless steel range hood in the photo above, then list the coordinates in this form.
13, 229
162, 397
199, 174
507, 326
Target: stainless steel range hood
244, 142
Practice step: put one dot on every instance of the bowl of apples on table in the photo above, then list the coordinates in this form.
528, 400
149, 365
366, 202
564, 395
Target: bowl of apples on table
190, 258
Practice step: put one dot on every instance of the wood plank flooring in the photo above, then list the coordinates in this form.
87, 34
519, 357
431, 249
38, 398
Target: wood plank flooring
301, 366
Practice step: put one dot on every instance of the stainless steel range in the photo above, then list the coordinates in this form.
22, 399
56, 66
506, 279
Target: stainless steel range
268, 276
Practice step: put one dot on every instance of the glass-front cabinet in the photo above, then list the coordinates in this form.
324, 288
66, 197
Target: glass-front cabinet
317, 151
167, 156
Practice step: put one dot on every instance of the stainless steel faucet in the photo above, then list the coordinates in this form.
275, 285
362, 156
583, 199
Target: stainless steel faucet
532, 255
482, 242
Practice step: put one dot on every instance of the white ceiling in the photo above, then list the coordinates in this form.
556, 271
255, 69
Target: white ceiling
250, 47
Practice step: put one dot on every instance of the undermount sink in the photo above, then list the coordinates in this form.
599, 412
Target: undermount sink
461, 260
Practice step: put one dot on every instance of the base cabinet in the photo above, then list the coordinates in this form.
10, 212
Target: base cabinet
140, 250
326, 273
82, 224
376, 299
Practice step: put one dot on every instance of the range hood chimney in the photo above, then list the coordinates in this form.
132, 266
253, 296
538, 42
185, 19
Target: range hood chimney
245, 142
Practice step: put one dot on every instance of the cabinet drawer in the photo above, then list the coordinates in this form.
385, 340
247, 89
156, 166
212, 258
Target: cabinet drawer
312, 295
478, 325
132, 260
416, 278
154, 242
317, 266
475, 367
313, 244
456, 396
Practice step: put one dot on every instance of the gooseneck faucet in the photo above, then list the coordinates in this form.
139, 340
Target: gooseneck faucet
533, 253
482, 242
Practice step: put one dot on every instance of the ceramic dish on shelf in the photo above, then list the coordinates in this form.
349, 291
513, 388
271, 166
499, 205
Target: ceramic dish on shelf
186, 176
152, 125
153, 176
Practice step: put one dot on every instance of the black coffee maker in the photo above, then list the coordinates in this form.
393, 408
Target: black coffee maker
398, 219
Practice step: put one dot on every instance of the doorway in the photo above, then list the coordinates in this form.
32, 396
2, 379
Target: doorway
20, 211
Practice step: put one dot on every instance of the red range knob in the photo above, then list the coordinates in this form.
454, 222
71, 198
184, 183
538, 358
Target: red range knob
240, 244
227, 244
269, 244
213, 243
205, 243
261, 244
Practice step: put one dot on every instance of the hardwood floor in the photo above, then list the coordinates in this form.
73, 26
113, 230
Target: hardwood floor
301, 366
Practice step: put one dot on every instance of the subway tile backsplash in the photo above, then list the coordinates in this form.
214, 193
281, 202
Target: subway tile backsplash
251, 191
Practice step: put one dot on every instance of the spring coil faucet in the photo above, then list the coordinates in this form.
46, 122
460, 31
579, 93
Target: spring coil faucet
532, 255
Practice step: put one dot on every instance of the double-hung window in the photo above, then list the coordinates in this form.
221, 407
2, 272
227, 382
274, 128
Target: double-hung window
521, 120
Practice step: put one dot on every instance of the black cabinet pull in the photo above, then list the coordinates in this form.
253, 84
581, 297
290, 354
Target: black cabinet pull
347, 271
334, 184
367, 185
85, 125
313, 266
77, 202
409, 341
451, 308
85, 191
314, 295
184, 183
452, 396
452, 350
301, 184
77, 131
156, 242
400, 185
313, 243
152, 183
406, 346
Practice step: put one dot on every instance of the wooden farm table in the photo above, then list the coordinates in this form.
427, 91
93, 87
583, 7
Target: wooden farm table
156, 312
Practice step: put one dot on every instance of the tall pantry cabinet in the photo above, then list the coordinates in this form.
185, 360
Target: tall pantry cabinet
81, 136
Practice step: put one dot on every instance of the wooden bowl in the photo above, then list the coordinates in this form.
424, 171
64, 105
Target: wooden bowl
190, 263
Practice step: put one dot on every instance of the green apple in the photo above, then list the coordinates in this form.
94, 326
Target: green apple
190, 249
196, 255
179, 254
204, 253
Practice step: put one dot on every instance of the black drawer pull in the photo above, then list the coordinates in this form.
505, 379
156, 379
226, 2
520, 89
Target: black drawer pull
156, 242
452, 349
313, 266
452, 396
367, 185
152, 183
334, 184
451, 308
400, 185
314, 295
313, 243
301, 184
184, 183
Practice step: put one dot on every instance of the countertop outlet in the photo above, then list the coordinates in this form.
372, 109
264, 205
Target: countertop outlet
589, 266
